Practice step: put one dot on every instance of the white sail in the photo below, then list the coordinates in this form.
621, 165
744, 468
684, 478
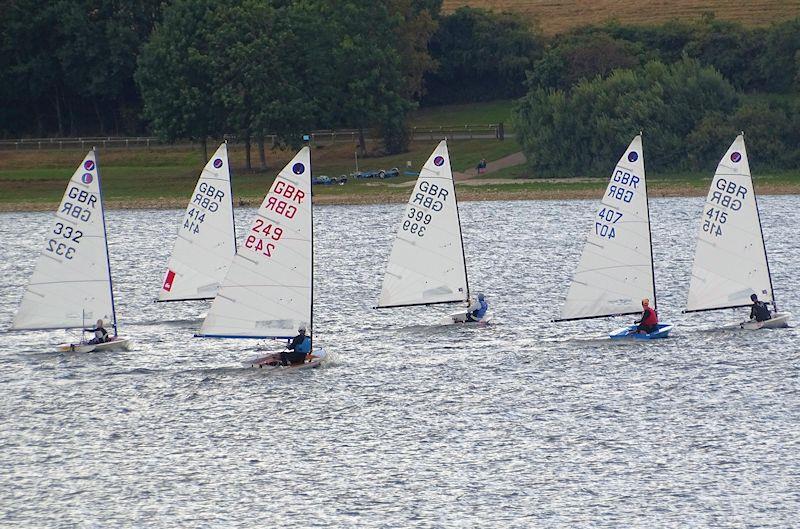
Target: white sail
206, 240
267, 290
427, 260
730, 262
615, 270
71, 285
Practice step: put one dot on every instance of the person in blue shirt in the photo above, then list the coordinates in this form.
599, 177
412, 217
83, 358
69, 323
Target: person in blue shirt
299, 347
477, 310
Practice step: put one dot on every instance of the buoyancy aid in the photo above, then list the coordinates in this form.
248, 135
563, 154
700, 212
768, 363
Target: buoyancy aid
651, 318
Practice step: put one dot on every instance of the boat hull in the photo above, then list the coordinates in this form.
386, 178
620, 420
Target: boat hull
629, 332
117, 343
461, 317
271, 362
779, 320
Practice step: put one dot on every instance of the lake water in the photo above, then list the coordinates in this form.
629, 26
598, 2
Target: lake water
522, 423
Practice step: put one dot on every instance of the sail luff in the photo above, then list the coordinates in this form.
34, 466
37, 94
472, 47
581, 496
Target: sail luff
105, 240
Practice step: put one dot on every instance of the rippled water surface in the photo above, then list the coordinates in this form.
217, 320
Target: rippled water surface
522, 423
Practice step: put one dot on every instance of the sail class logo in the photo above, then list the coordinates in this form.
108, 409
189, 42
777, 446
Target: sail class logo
218, 163
438, 161
633, 156
298, 168
736, 157
87, 178
89, 165
170, 277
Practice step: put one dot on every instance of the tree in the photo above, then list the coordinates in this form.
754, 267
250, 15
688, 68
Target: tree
581, 131
175, 74
481, 56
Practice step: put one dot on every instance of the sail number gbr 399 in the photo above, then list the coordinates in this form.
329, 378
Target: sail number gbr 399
427, 201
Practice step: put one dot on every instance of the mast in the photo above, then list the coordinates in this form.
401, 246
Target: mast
460, 232
233, 216
105, 239
649, 233
763, 243
311, 214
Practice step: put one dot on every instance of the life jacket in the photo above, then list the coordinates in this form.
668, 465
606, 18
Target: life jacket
761, 311
481, 311
651, 318
305, 346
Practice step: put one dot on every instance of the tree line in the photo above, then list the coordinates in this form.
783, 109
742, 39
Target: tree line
198, 68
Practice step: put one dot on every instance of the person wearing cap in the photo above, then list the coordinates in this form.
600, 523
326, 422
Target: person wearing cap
759, 311
299, 347
100, 334
477, 309
649, 320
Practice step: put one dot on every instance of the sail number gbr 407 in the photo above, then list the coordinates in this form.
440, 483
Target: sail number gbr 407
429, 197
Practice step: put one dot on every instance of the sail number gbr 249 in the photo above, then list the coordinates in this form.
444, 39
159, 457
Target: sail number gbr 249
426, 202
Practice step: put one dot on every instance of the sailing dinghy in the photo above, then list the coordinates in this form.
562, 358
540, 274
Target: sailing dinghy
206, 240
616, 268
427, 264
71, 284
267, 292
730, 260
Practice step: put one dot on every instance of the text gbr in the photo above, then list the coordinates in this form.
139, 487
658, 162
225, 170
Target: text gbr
430, 197
281, 199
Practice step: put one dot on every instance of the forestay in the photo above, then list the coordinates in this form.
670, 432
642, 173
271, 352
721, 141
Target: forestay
267, 290
71, 285
730, 262
206, 240
615, 271
426, 265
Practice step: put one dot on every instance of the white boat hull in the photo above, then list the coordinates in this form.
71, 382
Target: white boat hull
461, 317
115, 344
778, 321
272, 361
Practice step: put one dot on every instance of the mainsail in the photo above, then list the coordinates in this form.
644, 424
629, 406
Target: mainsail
427, 264
206, 240
730, 261
616, 268
71, 285
267, 292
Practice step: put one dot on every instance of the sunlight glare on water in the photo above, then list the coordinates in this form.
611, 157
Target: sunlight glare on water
522, 423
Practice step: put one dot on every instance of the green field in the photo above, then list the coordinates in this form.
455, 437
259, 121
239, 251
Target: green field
166, 175
557, 16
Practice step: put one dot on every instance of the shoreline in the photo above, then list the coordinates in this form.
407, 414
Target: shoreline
468, 192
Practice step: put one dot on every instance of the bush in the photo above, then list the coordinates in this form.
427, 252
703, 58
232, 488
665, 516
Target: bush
583, 131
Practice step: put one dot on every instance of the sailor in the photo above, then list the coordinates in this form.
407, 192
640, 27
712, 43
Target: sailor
297, 349
759, 310
649, 320
100, 334
477, 309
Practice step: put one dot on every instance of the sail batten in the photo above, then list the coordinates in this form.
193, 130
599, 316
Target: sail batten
206, 241
615, 270
730, 261
71, 284
427, 264
267, 292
